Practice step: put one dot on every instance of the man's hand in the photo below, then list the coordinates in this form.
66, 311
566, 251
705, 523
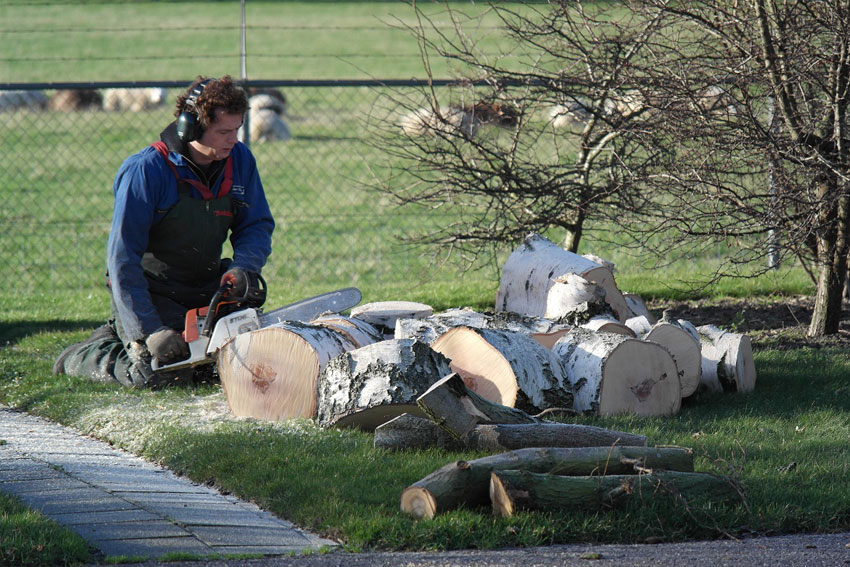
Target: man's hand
167, 345
238, 279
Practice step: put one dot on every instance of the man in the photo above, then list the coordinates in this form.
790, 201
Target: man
176, 201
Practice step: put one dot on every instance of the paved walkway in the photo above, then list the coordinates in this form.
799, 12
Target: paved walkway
124, 505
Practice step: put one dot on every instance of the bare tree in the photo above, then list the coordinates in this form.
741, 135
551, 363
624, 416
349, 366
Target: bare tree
691, 123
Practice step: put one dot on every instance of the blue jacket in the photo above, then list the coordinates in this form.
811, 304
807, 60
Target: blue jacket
145, 189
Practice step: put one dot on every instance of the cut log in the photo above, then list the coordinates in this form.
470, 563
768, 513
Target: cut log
675, 338
358, 331
638, 307
466, 483
513, 490
531, 270
607, 324
506, 367
384, 314
612, 373
271, 373
575, 300
411, 432
639, 325
368, 386
727, 360
407, 432
428, 329
457, 409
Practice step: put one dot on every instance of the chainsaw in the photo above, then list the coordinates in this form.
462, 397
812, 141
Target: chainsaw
208, 328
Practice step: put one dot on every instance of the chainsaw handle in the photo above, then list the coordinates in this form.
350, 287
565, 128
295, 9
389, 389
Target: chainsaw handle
217, 297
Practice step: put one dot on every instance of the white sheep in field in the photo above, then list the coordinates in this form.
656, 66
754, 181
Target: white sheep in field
266, 119
30, 100
458, 119
569, 115
133, 100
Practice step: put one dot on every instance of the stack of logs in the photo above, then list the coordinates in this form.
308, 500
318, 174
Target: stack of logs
562, 336
541, 465
562, 339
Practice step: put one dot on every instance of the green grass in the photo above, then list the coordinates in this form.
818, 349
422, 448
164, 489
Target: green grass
27, 538
93, 41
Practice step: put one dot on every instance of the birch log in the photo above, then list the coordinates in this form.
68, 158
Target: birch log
358, 331
611, 373
513, 490
683, 347
271, 373
506, 367
466, 483
638, 307
428, 329
368, 386
727, 360
532, 268
384, 314
575, 300
607, 324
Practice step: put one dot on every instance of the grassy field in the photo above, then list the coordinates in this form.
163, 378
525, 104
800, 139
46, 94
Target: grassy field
332, 232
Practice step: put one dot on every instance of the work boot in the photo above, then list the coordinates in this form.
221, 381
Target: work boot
101, 333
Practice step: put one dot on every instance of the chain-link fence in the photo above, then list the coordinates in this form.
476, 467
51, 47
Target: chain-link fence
333, 227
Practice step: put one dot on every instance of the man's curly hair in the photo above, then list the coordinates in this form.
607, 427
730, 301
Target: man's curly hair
218, 93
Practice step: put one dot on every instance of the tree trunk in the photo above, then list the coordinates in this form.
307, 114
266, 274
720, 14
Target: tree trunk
368, 386
611, 373
531, 269
466, 483
513, 490
833, 245
411, 432
271, 373
727, 360
506, 367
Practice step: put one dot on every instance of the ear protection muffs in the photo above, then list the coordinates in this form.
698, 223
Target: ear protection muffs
188, 124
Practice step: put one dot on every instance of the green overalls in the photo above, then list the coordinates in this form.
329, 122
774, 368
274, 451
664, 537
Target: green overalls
182, 266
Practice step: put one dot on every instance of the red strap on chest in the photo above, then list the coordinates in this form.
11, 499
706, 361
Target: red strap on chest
205, 192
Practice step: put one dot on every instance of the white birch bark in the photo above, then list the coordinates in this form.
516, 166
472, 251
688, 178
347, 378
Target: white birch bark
531, 270
727, 360
368, 386
506, 367
611, 373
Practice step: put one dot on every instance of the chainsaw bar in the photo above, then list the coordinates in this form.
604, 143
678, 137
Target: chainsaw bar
307, 309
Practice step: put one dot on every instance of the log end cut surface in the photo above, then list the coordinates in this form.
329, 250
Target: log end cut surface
269, 374
483, 368
642, 379
418, 502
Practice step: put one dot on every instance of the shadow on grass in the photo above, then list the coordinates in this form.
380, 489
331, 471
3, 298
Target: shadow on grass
12, 332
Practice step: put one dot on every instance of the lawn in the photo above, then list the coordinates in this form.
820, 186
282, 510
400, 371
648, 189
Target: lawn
334, 231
